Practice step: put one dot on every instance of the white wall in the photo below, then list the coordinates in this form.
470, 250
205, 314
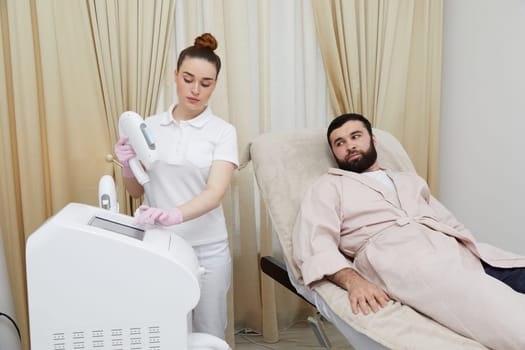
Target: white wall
8, 336
482, 161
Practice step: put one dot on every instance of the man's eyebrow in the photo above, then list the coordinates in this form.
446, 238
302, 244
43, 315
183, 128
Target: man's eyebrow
341, 138
336, 140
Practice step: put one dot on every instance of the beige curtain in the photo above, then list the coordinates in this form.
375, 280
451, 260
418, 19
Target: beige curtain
279, 307
383, 59
53, 131
245, 97
63, 93
232, 102
132, 40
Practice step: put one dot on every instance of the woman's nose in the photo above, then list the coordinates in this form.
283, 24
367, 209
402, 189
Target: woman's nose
195, 88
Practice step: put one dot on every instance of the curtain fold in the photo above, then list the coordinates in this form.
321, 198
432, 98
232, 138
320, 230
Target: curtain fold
132, 41
232, 101
269, 314
50, 115
58, 124
272, 79
383, 59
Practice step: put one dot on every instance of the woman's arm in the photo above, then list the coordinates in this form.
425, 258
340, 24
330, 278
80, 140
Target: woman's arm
133, 187
219, 179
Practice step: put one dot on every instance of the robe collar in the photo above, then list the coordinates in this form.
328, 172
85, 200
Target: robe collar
387, 193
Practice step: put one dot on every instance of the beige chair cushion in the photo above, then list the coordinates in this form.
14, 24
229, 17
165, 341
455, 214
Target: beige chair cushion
285, 163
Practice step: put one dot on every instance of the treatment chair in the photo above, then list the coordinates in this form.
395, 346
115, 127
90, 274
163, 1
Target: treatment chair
284, 164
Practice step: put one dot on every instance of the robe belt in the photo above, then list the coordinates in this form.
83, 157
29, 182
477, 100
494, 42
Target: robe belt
424, 220
403, 221
427, 221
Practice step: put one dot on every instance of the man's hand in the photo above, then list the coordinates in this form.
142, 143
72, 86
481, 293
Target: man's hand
363, 295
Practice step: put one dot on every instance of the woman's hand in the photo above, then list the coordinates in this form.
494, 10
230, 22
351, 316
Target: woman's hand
165, 217
124, 152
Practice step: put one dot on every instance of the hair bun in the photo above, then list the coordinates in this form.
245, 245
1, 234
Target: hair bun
206, 40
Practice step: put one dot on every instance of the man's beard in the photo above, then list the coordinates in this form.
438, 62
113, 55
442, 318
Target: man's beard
362, 163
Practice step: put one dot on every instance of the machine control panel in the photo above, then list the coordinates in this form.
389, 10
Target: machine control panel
117, 227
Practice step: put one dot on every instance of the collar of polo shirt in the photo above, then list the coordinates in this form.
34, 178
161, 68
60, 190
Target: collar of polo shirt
197, 122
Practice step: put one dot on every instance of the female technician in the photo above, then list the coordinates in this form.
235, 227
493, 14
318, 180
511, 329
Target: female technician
197, 157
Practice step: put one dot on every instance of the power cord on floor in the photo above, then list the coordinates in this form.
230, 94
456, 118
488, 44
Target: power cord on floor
246, 333
13, 322
294, 323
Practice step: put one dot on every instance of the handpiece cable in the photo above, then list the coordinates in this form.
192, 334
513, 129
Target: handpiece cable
13, 322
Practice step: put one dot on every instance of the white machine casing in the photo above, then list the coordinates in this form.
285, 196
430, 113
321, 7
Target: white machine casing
96, 281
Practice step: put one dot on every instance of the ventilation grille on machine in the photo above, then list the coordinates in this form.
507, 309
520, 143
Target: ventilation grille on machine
137, 338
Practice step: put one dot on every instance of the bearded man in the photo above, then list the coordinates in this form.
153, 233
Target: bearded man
381, 235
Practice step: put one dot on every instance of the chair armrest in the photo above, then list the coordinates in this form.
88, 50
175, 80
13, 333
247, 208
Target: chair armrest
276, 269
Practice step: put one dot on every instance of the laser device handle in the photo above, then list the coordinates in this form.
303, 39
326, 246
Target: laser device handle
138, 171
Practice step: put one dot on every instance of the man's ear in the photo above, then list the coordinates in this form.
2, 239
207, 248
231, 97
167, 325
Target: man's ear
374, 139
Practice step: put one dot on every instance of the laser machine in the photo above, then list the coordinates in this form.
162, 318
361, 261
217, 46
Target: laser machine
97, 281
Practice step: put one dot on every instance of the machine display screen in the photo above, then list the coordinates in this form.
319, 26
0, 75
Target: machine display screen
116, 227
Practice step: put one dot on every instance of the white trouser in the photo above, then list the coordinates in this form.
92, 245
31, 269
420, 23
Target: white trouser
210, 315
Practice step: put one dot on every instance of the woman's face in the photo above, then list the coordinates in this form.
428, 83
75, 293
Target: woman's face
195, 80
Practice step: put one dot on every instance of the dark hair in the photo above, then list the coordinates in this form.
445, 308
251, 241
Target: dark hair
342, 119
203, 47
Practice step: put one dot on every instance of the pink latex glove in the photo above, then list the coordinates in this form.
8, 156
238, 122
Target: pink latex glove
125, 152
165, 217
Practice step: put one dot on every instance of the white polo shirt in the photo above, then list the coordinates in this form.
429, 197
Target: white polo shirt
186, 152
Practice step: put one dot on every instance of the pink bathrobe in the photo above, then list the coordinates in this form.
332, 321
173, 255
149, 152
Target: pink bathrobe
411, 246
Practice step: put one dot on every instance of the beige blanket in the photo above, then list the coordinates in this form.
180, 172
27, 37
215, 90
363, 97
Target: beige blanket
285, 163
